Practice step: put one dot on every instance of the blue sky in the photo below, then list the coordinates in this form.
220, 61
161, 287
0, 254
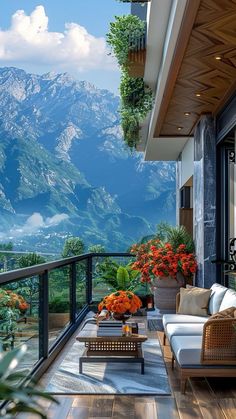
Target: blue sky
62, 36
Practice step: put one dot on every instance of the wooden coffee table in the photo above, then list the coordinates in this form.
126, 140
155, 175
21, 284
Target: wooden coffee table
110, 348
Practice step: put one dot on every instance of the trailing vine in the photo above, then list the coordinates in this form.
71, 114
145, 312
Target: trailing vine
136, 96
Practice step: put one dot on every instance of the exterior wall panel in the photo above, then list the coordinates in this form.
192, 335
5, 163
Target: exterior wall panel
204, 190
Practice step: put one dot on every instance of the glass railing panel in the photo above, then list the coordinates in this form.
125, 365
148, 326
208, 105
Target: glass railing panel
104, 275
81, 284
19, 318
58, 302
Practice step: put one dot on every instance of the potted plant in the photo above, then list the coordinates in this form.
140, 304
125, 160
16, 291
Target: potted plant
59, 312
12, 306
165, 267
124, 36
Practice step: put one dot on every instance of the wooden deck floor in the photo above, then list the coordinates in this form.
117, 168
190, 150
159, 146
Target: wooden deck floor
208, 399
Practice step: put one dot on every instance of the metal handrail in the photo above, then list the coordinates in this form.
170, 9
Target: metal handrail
46, 353
10, 276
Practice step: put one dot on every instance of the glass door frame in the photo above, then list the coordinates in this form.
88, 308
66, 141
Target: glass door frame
224, 149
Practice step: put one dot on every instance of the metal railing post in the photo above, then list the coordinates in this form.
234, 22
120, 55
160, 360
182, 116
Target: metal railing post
89, 280
43, 315
73, 292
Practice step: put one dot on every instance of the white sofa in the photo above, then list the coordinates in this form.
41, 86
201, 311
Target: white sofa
201, 345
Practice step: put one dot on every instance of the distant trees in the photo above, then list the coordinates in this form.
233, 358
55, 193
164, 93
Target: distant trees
30, 286
97, 248
73, 246
30, 259
6, 246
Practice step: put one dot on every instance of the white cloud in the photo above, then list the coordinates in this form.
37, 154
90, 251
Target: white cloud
35, 223
28, 40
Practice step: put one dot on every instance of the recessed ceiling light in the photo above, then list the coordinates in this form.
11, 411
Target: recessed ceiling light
218, 57
179, 128
198, 94
187, 113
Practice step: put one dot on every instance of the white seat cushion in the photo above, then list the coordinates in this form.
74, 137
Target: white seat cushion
218, 292
183, 329
187, 350
182, 318
229, 300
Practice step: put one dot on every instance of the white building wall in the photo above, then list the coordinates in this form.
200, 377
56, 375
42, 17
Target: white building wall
187, 162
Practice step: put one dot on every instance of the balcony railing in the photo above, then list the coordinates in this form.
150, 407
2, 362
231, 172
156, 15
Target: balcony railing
59, 294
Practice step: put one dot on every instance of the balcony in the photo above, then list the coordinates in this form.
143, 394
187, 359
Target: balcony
48, 344
137, 57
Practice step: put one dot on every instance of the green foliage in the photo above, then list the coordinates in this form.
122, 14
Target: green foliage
8, 318
22, 397
30, 286
135, 95
122, 277
30, 259
6, 246
73, 246
130, 127
179, 235
119, 277
58, 305
123, 36
97, 248
175, 235
136, 102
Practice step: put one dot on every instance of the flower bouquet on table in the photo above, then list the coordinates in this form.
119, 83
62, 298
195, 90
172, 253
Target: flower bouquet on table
121, 304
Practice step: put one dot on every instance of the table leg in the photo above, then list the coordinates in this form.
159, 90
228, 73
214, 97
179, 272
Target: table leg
142, 366
80, 366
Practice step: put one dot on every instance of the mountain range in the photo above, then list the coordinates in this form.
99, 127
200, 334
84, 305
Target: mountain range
65, 170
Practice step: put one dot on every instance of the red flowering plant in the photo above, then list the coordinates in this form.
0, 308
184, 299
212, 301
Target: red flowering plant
158, 259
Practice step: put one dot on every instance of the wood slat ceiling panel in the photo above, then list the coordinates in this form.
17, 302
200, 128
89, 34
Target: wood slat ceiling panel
213, 34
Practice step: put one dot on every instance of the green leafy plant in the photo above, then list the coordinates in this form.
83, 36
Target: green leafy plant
118, 276
97, 248
58, 305
130, 127
135, 94
73, 246
136, 97
123, 36
136, 102
175, 235
22, 396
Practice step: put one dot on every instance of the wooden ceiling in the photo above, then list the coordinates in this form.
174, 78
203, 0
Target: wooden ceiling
203, 70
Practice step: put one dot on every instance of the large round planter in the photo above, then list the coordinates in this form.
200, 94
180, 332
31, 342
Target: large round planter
58, 320
165, 290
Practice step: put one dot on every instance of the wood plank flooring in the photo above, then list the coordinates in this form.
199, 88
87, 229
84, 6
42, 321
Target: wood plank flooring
208, 399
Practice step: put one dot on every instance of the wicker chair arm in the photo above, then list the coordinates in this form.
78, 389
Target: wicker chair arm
219, 342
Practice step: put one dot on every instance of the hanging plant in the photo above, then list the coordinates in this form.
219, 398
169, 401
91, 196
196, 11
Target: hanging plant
124, 35
136, 102
135, 94
130, 127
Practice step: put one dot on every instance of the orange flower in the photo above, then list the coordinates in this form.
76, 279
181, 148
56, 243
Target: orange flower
121, 302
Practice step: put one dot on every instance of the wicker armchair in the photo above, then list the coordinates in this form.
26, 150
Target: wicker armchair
219, 342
